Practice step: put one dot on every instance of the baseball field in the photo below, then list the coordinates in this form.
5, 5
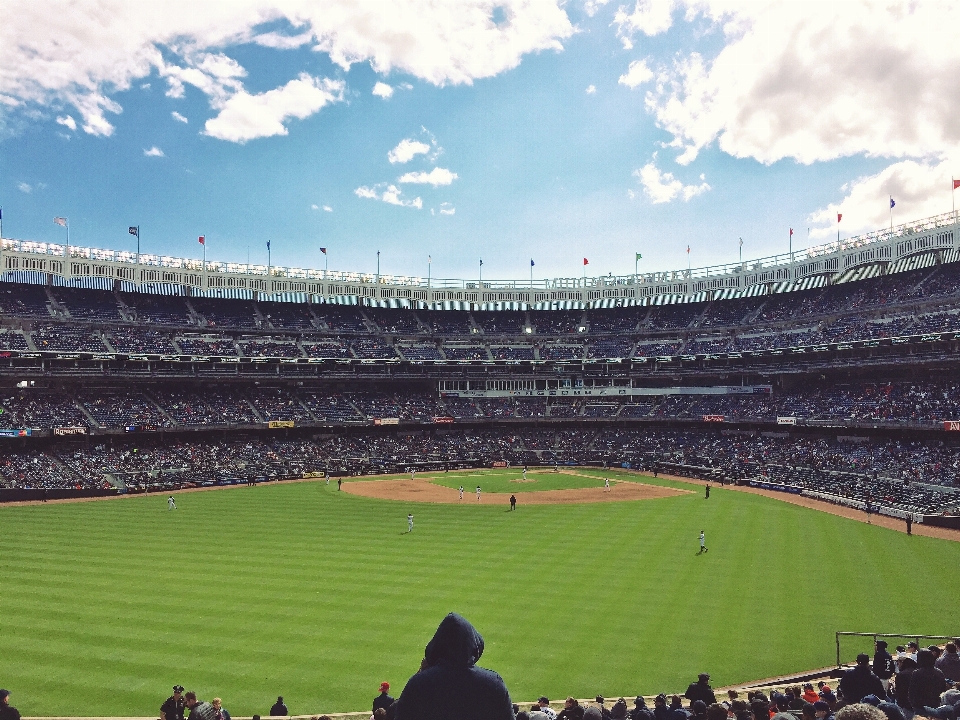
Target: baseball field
317, 594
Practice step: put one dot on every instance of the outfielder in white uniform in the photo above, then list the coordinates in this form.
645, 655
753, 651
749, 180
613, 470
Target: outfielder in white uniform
703, 542
171, 504
461, 492
409, 522
478, 493
606, 484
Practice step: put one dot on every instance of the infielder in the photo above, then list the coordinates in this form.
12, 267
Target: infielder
478, 493
606, 484
461, 492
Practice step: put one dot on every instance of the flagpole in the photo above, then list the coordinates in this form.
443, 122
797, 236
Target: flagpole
429, 264
481, 273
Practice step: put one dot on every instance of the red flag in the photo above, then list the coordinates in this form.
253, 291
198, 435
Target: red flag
791, 232
956, 184
323, 250
201, 240
586, 262
839, 217
688, 249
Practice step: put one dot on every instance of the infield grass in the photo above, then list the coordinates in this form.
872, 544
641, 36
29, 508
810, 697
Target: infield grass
318, 595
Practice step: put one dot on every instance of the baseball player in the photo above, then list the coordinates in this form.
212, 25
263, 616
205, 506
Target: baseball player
409, 522
478, 493
172, 504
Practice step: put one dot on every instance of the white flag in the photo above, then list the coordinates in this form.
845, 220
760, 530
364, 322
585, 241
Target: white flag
60, 221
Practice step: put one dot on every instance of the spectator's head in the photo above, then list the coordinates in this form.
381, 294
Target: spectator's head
570, 702
599, 699
912, 647
592, 713
881, 645
660, 700
821, 709
951, 647
732, 695
703, 678
863, 659
177, 691
190, 699
676, 702
217, 703
380, 714
4, 697
699, 708
543, 701
925, 659
935, 649
760, 710
807, 712
639, 702
907, 663
280, 699
716, 711
860, 711
384, 687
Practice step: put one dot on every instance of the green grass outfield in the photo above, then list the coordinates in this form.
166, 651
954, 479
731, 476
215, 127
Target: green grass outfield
318, 595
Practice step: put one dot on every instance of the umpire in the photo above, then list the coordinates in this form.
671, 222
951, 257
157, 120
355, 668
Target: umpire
173, 708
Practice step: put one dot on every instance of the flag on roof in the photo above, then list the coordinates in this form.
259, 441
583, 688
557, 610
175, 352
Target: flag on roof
639, 256
202, 241
60, 221
268, 245
323, 250
532, 263
688, 249
134, 230
892, 203
956, 184
791, 235
586, 262
839, 217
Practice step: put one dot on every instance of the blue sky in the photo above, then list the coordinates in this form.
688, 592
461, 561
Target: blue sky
516, 130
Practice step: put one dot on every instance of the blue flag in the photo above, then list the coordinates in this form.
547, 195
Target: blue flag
892, 204
532, 263
268, 244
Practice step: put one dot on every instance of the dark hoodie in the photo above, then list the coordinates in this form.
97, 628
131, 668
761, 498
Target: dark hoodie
926, 682
450, 686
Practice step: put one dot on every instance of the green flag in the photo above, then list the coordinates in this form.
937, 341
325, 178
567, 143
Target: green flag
639, 256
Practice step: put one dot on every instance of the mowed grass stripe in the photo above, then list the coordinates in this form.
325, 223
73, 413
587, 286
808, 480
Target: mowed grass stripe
300, 590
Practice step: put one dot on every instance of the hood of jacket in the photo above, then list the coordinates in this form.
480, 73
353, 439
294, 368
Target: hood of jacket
455, 644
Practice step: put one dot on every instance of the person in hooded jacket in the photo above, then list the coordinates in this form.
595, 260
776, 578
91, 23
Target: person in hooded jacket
660, 709
901, 687
860, 681
883, 666
926, 683
449, 678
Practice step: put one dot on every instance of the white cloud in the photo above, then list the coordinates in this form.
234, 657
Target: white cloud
24, 187
178, 117
436, 177
83, 53
406, 150
325, 208
662, 187
67, 121
153, 152
816, 82
637, 73
447, 209
651, 17
920, 189
591, 89
389, 194
245, 117
382, 90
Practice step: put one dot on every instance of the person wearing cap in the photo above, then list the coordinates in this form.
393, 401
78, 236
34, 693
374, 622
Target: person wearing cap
701, 690
859, 681
172, 708
383, 700
544, 705
822, 710
926, 683
7, 711
640, 710
279, 709
887, 708
883, 666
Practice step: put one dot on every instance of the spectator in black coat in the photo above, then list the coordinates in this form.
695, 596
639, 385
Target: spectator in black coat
926, 683
860, 681
383, 700
902, 685
701, 690
7, 712
450, 678
572, 710
279, 709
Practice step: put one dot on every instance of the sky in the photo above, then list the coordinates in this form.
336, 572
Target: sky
512, 131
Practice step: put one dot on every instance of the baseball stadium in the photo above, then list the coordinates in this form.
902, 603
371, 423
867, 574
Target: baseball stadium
261, 481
